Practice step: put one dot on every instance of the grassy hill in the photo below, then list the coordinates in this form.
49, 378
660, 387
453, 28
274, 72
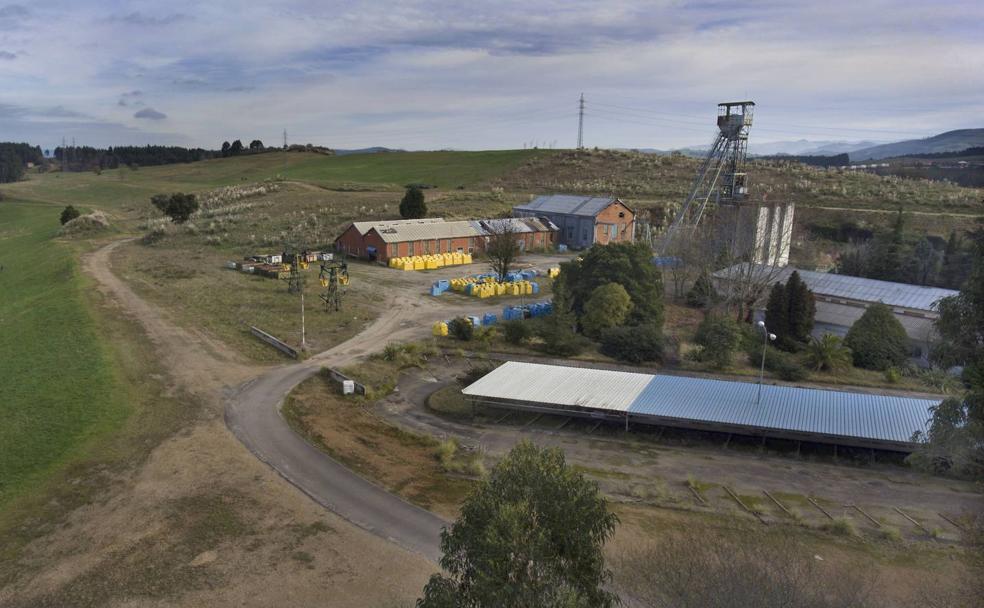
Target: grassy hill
122, 188
951, 141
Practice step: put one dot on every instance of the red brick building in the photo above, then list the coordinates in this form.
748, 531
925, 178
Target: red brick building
583, 221
383, 240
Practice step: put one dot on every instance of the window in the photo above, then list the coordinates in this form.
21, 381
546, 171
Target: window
570, 233
621, 214
410, 248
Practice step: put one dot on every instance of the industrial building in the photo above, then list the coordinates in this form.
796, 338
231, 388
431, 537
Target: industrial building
583, 221
782, 412
385, 239
842, 299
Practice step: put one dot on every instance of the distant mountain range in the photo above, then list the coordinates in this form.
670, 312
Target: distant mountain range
951, 141
805, 147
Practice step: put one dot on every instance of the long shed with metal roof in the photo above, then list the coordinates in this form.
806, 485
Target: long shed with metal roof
864, 420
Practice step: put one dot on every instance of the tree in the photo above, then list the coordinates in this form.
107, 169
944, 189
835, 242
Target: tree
531, 534
777, 311
256, 146
178, 206
501, 244
628, 264
632, 344
877, 340
828, 353
517, 332
558, 335
609, 306
236, 148
225, 149
413, 206
719, 337
68, 214
802, 309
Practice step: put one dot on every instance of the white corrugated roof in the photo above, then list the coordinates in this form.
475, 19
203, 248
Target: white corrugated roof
858, 416
561, 385
400, 233
902, 295
364, 227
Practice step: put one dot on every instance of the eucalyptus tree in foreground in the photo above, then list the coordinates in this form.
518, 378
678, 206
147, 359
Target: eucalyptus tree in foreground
530, 535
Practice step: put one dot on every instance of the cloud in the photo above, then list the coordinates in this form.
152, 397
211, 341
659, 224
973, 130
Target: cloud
144, 20
12, 16
150, 114
7, 56
130, 97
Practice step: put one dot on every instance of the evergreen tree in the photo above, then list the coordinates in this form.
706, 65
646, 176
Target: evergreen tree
225, 148
877, 340
802, 309
530, 534
236, 148
777, 311
608, 306
413, 206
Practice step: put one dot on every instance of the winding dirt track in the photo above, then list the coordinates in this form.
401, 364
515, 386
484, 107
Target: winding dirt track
252, 411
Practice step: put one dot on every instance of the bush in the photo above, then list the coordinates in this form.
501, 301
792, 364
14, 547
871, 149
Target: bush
607, 307
462, 329
782, 364
413, 206
558, 336
517, 332
178, 206
877, 340
719, 337
68, 214
633, 344
828, 353
702, 294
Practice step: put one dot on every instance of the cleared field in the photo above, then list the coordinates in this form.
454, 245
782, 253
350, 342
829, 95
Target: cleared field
124, 188
58, 390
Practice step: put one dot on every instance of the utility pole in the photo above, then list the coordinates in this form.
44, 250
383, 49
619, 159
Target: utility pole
580, 124
285, 153
303, 336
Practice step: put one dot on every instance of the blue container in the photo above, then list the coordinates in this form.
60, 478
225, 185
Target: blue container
489, 319
561, 248
527, 275
436, 291
475, 321
535, 287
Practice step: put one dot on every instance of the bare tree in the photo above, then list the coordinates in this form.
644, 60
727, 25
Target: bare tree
501, 245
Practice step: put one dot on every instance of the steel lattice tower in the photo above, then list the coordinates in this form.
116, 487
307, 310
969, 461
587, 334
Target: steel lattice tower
721, 175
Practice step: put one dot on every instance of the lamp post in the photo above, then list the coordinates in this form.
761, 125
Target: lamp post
765, 345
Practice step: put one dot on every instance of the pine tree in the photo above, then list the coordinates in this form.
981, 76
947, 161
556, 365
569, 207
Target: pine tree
777, 311
801, 310
413, 206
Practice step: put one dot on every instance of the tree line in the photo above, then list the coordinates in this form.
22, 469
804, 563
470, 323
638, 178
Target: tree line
834, 160
899, 255
14, 158
87, 158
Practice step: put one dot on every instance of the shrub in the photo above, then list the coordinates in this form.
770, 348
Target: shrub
842, 526
445, 453
178, 206
893, 375
607, 307
633, 344
558, 336
68, 214
782, 364
719, 337
828, 353
877, 340
517, 332
702, 293
462, 329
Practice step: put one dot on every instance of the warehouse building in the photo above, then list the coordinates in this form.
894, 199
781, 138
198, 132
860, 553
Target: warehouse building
783, 412
583, 221
385, 239
842, 299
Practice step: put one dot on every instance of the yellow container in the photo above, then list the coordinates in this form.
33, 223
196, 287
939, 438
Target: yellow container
500, 289
430, 264
529, 287
392, 262
466, 258
456, 258
447, 259
407, 264
418, 263
440, 329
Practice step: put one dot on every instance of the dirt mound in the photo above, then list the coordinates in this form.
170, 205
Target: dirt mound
85, 224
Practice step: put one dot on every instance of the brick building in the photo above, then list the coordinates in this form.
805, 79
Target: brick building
387, 239
583, 221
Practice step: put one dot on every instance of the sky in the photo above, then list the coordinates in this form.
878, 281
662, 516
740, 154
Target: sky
483, 75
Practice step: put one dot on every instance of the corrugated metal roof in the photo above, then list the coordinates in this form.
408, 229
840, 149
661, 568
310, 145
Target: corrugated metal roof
364, 227
859, 416
902, 295
517, 224
556, 385
399, 233
568, 204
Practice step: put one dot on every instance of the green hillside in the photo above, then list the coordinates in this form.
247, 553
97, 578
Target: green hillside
57, 386
119, 188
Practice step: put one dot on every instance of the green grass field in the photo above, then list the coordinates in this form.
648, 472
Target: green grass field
58, 389
120, 189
